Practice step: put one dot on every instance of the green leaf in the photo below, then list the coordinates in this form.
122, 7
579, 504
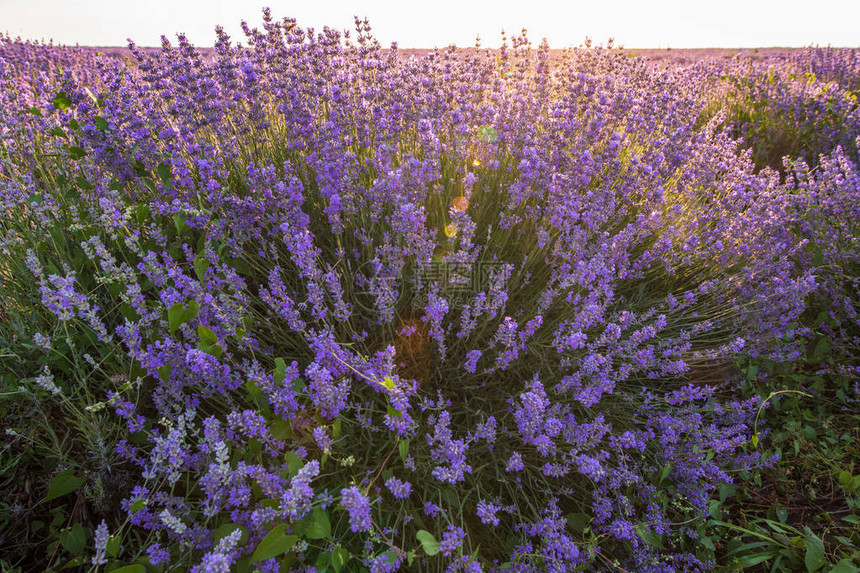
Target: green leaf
136, 568
578, 521
63, 483
294, 463
35, 111
273, 544
853, 519
253, 389
61, 101
281, 430
388, 383
845, 566
752, 371
845, 479
338, 558
428, 542
319, 526
75, 539
821, 349
299, 385
58, 132
84, 184
179, 222
179, 314
814, 553
101, 123
755, 441
410, 557
648, 536
76, 153
73, 563
403, 448
164, 372
208, 342
201, 264
112, 547
393, 412
748, 561
163, 171
665, 472
280, 373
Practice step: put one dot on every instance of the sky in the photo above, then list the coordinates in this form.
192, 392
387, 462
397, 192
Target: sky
438, 23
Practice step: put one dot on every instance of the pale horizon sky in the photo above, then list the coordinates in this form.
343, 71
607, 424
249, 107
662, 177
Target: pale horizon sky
634, 24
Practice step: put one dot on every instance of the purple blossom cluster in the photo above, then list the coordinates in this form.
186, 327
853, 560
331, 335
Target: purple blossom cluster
501, 272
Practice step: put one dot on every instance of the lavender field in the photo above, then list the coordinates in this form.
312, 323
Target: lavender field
308, 303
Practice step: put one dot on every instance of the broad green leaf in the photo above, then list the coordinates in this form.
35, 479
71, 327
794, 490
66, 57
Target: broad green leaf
299, 385
179, 314
101, 123
648, 536
163, 171
179, 222
428, 542
35, 111
280, 373
293, 463
76, 153
821, 349
73, 563
388, 383
164, 372
112, 547
74, 540
845, 566
814, 558
275, 543
201, 264
84, 184
403, 448
58, 132
281, 430
319, 526
208, 342
665, 472
578, 521
61, 101
63, 483
752, 371
253, 389
338, 559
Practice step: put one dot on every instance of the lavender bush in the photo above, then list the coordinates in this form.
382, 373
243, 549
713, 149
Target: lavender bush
316, 305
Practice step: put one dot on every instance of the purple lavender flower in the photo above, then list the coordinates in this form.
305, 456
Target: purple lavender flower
399, 489
358, 507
